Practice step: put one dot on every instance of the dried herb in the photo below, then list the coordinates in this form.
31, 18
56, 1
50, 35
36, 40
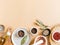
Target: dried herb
23, 40
42, 26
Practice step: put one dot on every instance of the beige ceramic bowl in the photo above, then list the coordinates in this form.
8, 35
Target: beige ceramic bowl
54, 29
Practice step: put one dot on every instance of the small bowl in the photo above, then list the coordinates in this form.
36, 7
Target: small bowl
33, 33
40, 36
54, 30
48, 32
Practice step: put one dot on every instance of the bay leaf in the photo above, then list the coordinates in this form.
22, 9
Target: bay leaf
23, 40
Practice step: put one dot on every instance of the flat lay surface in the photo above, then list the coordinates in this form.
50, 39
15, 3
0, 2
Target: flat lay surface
23, 13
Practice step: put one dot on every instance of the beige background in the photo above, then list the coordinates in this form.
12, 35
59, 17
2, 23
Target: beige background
22, 13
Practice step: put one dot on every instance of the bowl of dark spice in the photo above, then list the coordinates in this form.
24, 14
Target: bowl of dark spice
33, 30
21, 33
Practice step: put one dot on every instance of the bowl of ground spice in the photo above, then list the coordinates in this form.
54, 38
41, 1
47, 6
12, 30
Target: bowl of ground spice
56, 34
34, 31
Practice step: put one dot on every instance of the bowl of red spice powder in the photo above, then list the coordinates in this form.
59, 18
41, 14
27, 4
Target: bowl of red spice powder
56, 34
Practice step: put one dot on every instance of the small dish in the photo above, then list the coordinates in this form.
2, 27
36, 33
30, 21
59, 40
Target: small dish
34, 31
56, 33
46, 32
17, 40
42, 38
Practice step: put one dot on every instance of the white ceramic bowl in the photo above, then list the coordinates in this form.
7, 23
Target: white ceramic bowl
17, 40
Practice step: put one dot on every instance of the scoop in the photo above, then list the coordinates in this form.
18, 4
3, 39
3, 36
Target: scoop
42, 40
38, 43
